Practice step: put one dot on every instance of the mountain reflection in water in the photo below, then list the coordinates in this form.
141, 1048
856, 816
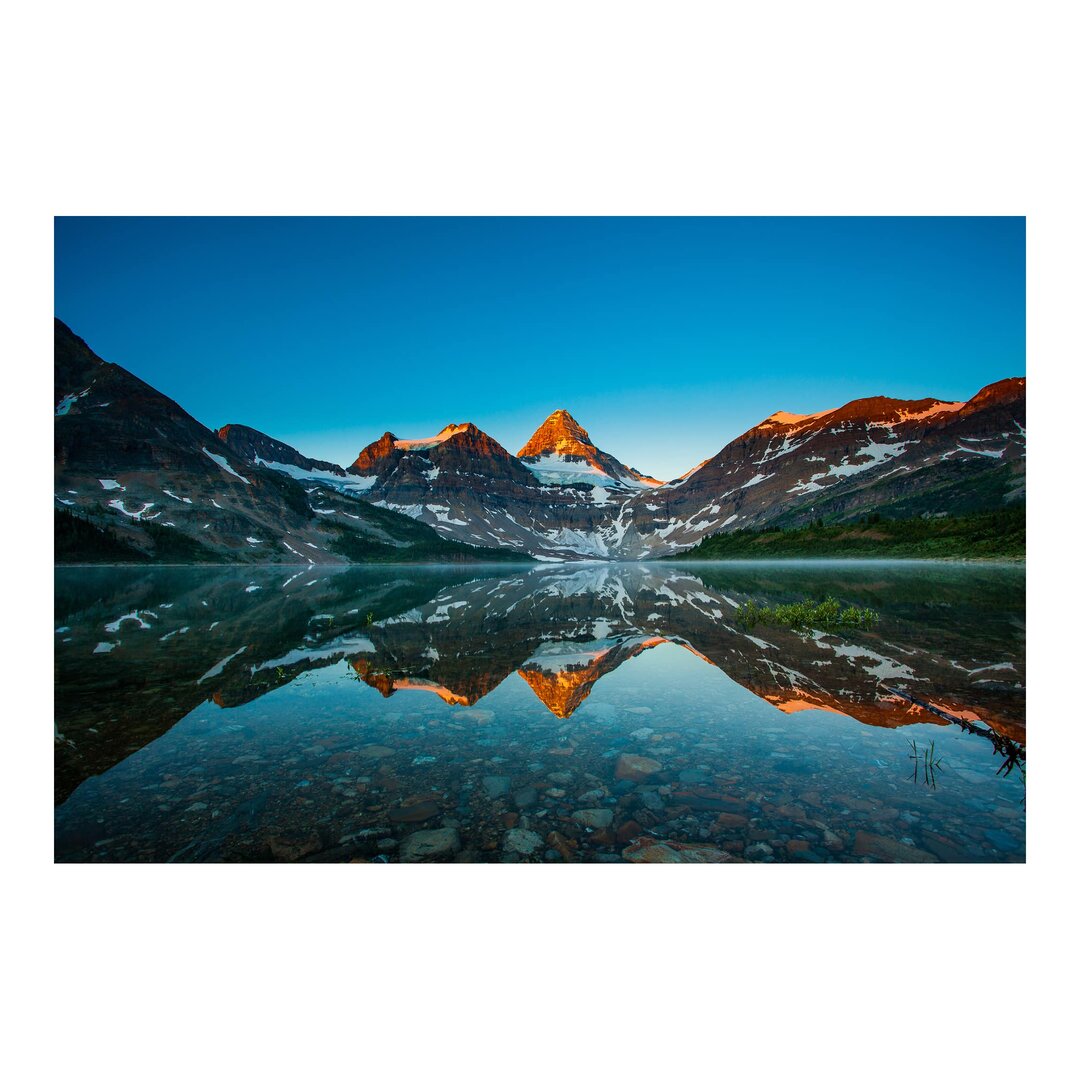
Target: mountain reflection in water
415, 713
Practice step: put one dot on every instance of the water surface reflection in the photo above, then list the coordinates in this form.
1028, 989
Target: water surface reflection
584, 712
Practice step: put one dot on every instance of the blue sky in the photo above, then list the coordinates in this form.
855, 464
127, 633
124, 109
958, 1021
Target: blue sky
665, 337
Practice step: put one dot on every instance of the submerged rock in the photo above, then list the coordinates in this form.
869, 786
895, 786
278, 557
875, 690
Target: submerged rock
375, 752
430, 844
496, 786
289, 849
522, 841
420, 811
731, 821
635, 767
885, 847
647, 849
694, 776
651, 801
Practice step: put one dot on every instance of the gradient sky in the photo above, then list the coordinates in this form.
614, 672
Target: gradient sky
665, 337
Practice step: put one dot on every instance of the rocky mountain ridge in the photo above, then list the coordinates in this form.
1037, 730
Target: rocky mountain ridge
561, 452
249, 497
872, 454
573, 501
136, 478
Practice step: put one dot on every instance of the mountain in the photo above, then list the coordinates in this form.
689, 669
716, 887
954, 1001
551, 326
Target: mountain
558, 499
561, 452
139, 479
903, 458
573, 501
456, 449
466, 485
137, 474
260, 449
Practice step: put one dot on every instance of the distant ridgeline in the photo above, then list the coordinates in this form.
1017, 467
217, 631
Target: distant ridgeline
138, 479
996, 534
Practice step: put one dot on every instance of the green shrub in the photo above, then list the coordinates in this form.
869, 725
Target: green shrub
806, 615
996, 534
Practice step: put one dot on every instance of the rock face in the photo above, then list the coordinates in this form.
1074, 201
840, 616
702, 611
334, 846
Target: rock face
566, 499
132, 462
260, 449
457, 448
375, 457
466, 485
911, 457
561, 452
138, 479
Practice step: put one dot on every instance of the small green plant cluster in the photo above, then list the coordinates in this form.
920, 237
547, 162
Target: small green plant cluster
807, 615
930, 764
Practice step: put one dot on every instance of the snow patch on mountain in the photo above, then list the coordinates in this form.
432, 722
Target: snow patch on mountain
562, 469
346, 484
434, 440
220, 461
138, 515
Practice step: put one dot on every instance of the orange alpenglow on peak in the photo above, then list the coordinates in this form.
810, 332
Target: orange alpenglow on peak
560, 433
390, 446
560, 436
446, 433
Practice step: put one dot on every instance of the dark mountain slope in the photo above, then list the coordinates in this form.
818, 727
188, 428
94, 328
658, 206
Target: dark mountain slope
260, 449
132, 464
898, 458
135, 472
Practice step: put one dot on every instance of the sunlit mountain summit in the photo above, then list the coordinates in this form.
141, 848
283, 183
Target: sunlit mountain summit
138, 479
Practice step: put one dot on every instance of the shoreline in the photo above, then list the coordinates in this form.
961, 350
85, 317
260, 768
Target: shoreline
1005, 560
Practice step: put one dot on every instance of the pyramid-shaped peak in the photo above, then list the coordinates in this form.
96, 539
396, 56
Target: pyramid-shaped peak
561, 441
560, 433
561, 420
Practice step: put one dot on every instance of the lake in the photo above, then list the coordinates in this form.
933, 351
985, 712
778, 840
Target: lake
582, 712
